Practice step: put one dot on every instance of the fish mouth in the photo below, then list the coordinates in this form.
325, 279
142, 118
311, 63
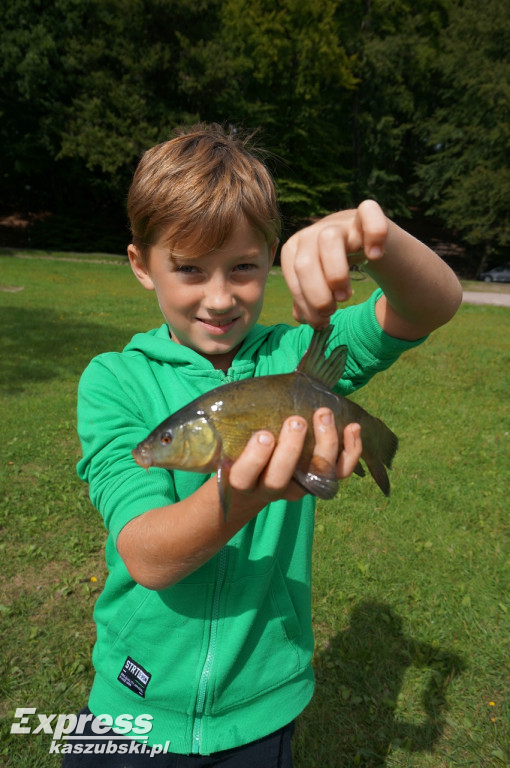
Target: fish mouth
142, 456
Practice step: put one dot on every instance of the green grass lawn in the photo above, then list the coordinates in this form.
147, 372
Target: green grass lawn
411, 593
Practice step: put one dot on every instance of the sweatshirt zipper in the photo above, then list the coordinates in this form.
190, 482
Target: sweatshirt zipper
203, 684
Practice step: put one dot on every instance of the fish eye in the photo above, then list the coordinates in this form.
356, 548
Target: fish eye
166, 438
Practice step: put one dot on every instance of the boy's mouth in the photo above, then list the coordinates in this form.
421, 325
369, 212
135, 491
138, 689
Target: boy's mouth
217, 325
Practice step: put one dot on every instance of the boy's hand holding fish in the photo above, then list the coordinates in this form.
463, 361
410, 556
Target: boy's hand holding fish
264, 471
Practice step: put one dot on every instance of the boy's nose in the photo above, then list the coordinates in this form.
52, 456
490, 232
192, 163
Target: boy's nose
219, 296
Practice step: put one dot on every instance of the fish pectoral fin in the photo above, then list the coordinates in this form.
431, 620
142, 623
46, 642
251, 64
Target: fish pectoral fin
358, 470
319, 478
223, 477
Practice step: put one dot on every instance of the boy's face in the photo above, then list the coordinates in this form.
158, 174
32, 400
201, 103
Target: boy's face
210, 302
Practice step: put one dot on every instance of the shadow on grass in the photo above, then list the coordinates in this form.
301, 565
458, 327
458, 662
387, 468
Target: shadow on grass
361, 709
38, 345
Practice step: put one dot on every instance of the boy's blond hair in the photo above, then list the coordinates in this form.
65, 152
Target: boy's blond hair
193, 190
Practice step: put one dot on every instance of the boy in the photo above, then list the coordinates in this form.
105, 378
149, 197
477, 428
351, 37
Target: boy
204, 626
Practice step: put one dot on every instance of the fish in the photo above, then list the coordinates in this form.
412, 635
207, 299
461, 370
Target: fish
209, 433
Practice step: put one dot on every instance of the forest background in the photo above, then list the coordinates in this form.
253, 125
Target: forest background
406, 102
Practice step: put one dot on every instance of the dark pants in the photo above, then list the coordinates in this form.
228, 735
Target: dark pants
272, 751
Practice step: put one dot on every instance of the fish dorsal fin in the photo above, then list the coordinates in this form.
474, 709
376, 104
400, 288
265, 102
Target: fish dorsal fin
314, 363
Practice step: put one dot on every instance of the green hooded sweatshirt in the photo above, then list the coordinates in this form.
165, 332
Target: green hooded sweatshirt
224, 656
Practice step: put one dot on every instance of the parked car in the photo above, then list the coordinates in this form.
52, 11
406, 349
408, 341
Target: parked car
496, 275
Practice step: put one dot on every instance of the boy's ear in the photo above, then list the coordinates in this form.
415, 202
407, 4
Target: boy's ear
139, 267
272, 252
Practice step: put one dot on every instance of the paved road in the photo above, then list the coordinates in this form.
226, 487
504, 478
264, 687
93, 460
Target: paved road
481, 297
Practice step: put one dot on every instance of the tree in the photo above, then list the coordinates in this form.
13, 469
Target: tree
86, 86
352, 98
396, 43
465, 174
283, 67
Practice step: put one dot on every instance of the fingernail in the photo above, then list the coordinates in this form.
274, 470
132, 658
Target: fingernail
297, 425
326, 418
340, 296
263, 438
375, 252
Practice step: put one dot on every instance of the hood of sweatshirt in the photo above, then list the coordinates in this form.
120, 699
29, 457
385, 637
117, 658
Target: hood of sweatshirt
157, 345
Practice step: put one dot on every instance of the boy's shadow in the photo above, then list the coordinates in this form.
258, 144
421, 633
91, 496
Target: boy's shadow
356, 717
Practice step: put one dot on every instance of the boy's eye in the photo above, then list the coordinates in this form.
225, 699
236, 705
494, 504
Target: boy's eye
186, 269
245, 267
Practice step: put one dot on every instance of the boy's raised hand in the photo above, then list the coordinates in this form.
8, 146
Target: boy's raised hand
315, 260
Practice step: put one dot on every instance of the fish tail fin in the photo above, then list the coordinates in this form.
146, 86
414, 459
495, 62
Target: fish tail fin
314, 363
385, 444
